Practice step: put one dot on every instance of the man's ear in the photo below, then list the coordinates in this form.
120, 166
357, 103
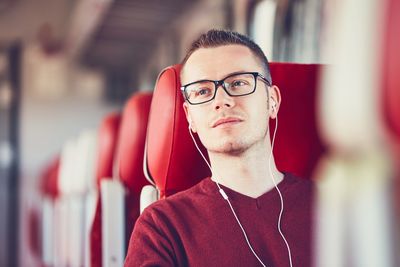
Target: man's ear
188, 118
274, 101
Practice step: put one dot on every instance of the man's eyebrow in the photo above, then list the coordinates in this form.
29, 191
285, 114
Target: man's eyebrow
236, 72
223, 77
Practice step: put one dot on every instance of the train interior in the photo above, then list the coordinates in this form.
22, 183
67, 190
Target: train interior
92, 129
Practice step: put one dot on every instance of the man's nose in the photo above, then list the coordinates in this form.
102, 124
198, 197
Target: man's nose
222, 99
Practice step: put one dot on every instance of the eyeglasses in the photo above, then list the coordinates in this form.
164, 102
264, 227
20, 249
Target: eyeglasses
237, 84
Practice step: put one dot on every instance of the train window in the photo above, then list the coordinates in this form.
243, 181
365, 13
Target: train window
287, 30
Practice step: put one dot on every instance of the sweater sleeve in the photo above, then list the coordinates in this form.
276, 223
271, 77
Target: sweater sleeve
149, 245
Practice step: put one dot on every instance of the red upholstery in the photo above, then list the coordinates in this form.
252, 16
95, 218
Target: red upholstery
50, 190
129, 145
391, 68
172, 159
297, 145
131, 142
171, 155
130, 153
107, 142
391, 88
49, 180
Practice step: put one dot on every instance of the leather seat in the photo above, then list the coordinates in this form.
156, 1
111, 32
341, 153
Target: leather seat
50, 192
107, 143
173, 162
130, 155
120, 195
391, 100
74, 208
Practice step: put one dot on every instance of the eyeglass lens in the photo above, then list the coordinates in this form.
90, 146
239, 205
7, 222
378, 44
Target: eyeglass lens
235, 85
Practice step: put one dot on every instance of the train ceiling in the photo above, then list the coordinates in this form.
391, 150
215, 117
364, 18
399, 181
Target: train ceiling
128, 32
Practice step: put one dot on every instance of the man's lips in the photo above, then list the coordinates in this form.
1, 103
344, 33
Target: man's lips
225, 121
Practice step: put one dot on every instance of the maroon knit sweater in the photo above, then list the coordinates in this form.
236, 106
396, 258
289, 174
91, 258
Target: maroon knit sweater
197, 228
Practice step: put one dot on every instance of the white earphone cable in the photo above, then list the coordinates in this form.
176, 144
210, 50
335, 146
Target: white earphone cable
225, 196
222, 192
280, 194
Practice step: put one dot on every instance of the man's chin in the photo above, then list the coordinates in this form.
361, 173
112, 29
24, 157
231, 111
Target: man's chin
229, 148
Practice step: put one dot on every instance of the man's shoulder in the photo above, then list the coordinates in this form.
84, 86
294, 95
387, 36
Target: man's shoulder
299, 184
298, 190
179, 201
297, 180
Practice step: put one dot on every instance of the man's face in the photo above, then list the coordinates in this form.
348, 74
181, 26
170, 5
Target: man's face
228, 124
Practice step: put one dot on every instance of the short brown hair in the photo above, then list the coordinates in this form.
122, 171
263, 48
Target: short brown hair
216, 38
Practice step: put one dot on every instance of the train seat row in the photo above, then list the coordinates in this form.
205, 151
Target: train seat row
146, 153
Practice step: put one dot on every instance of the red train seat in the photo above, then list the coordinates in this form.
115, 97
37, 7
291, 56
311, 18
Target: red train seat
50, 191
107, 143
173, 162
74, 207
120, 196
391, 100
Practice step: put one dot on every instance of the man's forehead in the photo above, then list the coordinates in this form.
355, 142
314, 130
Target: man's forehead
217, 62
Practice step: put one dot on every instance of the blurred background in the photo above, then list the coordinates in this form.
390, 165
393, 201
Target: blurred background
65, 64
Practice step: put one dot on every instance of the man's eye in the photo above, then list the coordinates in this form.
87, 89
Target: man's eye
239, 83
203, 91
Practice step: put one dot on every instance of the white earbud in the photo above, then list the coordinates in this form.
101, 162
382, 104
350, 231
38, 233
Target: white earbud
273, 104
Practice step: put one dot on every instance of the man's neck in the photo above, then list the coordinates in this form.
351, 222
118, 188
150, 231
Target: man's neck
248, 173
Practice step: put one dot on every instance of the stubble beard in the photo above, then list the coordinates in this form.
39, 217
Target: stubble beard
237, 147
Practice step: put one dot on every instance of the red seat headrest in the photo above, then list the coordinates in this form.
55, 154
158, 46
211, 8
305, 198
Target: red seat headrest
49, 179
131, 142
297, 144
172, 159
390, 71
107, 143
173, 162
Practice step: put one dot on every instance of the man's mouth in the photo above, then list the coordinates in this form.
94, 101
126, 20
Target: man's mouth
226, 121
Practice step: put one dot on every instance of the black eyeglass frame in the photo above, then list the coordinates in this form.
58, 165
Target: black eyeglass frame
221, 83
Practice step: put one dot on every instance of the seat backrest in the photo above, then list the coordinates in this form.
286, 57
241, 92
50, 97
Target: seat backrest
131, 140
120, 195
85, 162
170, 156
172, 160
82, 201
66, 173
106, 147
107, 144
390, 70
50, 191
130, 151
49, 179
77, 164
298, 145
391, 98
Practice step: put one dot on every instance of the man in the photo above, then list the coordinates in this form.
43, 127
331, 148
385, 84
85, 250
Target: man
232, 218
